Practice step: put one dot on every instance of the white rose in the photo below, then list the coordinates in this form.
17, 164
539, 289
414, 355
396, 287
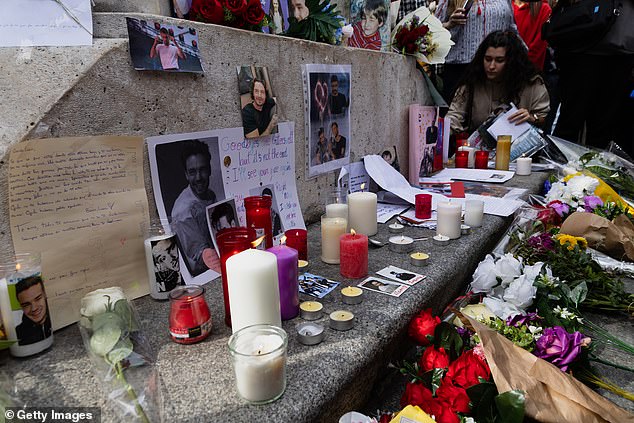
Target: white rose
582, 185
500, 308
347, 31
95, 302
484, 276
520, 292
508, 268
532, 272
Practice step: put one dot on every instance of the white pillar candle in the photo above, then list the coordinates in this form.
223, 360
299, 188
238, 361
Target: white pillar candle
254, 294
337, 210
161, 257
362, 212
449, 216
471, 158
331, 230
524, 166
259, 360
474, 213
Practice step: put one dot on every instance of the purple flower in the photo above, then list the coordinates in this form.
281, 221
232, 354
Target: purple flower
522, 319
547, 186
541, 242
559, 347
591, 202
560, 208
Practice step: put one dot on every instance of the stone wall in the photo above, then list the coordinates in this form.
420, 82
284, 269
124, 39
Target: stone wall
74, 91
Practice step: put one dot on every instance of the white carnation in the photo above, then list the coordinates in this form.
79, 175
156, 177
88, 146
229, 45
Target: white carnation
582, 185
484, 278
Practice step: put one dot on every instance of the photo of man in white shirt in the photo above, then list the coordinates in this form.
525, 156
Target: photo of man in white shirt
168, 50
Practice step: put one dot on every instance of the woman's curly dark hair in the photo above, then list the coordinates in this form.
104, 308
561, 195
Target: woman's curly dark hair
518, 70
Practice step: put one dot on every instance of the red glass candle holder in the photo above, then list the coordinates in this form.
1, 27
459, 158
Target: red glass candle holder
462, 159
231, 241
258, 210
190, 320
297, 239
423, 206
481, 159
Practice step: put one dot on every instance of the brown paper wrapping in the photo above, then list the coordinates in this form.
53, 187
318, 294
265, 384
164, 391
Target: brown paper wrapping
551, 395
615, 238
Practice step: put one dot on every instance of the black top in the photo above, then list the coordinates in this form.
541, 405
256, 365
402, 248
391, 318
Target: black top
254, 119
29, 332
338, 147
337, 104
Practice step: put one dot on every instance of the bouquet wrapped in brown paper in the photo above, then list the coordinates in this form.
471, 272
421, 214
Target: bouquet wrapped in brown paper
551, 395
615, 238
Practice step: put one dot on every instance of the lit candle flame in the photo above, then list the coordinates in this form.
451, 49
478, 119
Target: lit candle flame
18, 266
257, 242
352, 231
283, 240
362, 186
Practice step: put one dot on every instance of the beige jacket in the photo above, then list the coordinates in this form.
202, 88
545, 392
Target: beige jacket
488, 97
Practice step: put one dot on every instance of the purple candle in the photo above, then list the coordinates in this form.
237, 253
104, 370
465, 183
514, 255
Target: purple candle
287, 273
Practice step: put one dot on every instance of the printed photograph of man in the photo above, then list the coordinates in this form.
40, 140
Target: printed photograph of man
166, 266
278, 16
337, 142
162, 47
338, 102
259, 109
36, 322
299, 9
276, 220
221, 215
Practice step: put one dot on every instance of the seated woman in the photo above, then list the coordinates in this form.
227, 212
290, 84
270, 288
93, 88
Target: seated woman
500, 73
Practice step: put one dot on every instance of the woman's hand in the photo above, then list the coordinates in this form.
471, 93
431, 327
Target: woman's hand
458, 17
521, 116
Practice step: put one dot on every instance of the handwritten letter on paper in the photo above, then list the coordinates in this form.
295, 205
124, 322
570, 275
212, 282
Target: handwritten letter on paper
81, 203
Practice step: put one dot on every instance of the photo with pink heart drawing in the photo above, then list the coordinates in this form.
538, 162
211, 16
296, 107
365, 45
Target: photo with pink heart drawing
327, 91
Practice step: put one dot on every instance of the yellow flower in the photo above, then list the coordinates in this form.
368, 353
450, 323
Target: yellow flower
571, 241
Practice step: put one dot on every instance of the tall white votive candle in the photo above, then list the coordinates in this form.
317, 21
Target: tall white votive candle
337, 210
524, 166
471, 158
473, 213
362, 212
254, 294
449, 217
259, 360
331, 230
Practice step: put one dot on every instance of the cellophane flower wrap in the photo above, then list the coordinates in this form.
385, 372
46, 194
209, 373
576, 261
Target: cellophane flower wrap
422, 35
121, 356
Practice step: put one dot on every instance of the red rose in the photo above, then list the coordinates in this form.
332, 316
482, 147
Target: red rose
442, 412
422, 326
210, 11
455, 396
416, 394
434, 358
254, 13
237, 7
466, 369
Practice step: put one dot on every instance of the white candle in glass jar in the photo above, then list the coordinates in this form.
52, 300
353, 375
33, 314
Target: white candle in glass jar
449, 217
523, 166
362, 212
259, 359
471, 158
337, 210
474, 213
254, 294
331, 230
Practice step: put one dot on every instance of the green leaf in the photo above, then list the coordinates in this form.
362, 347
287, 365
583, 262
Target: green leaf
107, 318
104, 339
446, 336
579, 293
482, 399
121, 350
436, 379
122, 308
510, 406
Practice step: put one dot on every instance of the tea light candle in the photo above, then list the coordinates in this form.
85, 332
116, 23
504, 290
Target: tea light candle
341, 320
396, 228
310, 310
524, 166
419, 259
309, 333
465, 229
352, 295
401, 244
449, 217
302, 265
287, 272
441, 240
362, 212
331, 230
337, 210
471, 157
474, 213
503, 152
254, 294
353, 255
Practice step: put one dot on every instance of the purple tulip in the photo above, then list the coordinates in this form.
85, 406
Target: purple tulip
559, 347
591, 202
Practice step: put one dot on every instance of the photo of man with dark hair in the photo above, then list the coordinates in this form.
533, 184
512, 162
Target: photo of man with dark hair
36, 321
167, 49
188, 217
258, 116
338, 101
222, 217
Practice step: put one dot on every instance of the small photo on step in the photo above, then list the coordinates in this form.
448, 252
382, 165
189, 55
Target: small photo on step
400, 275
384, 286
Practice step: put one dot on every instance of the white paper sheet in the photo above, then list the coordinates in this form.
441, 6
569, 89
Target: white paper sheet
26, 23
385, 212
391, 180
502, 126
477, 175
352, 176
